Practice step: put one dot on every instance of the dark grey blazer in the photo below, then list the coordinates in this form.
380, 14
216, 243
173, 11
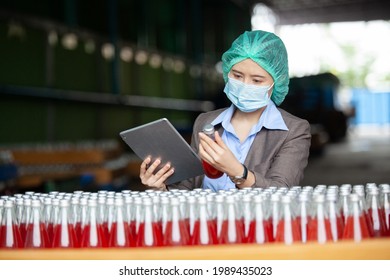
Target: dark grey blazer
276, 157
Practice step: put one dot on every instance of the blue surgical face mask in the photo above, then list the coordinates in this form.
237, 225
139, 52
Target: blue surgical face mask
247, 98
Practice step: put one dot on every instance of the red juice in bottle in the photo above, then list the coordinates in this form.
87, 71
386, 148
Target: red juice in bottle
93, 235
177, 230
132, 233
210, 170
93, 238
23, 223
288, 229
119, 233
10, 237
149, 232
356, 224
205, 232
319, 228
78, 230
53, 218
149, 235
336, 222
109, 215
303, 217
260, 229
232, 230
64, 234
376, 213
377, 217
207, 236
23, 230
192, 214
175, 236
269, 229
320, 233
36, 234
349, 229
10, 234
259, 233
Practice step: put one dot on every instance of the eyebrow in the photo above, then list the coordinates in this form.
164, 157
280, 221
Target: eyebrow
256, 75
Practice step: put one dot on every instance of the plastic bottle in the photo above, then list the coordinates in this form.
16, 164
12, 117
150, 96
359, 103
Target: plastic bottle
343, 203
319, 227
209, 170
176, 232
232, 230
36, 234
356, 227
149, 232
83, 213
25, 217
385, 202
288, 230
275, 213
260, 229
46, 212
64, 234
108, 216
335, 219
376, 213
136, 218
9, 230
247, 214
363, 206
219, 213
120, 234
205, 232
55, 212
19, 207
303, 215
93, 234
2, 202
192, 213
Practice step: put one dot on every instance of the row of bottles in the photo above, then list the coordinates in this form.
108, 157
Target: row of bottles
198, 217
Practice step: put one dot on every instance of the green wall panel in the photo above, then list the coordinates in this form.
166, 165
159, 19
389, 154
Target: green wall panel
22, 57
76, 69
22, 121
75, 122
114, 120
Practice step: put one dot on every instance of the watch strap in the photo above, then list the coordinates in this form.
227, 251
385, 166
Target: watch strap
238, 180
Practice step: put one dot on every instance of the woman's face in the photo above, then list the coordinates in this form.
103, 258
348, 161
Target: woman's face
249, 72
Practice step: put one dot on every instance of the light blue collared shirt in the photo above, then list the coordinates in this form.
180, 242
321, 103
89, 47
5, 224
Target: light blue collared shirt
270, 119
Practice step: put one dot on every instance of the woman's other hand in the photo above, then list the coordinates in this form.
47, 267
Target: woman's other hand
152, 179
218, 154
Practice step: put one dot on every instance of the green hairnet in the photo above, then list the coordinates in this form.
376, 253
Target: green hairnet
268, 51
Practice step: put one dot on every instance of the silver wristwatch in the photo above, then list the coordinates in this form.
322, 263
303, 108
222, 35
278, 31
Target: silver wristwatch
238, 180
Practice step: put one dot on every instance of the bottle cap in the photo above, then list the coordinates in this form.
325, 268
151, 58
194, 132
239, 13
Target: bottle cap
208, 129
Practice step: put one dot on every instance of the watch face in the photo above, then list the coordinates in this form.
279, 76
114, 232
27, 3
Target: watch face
238, 181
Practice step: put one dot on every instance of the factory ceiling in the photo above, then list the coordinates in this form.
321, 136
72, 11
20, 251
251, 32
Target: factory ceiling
325, 11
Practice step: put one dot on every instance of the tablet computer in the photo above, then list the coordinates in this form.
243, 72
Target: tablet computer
160, 139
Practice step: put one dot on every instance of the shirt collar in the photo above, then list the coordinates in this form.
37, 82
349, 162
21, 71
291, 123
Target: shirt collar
271, 119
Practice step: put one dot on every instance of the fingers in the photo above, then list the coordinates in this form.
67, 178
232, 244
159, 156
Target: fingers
144, 165
210, 148
219, 141
150, 177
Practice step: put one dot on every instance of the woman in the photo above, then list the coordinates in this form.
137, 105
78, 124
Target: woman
256, 144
